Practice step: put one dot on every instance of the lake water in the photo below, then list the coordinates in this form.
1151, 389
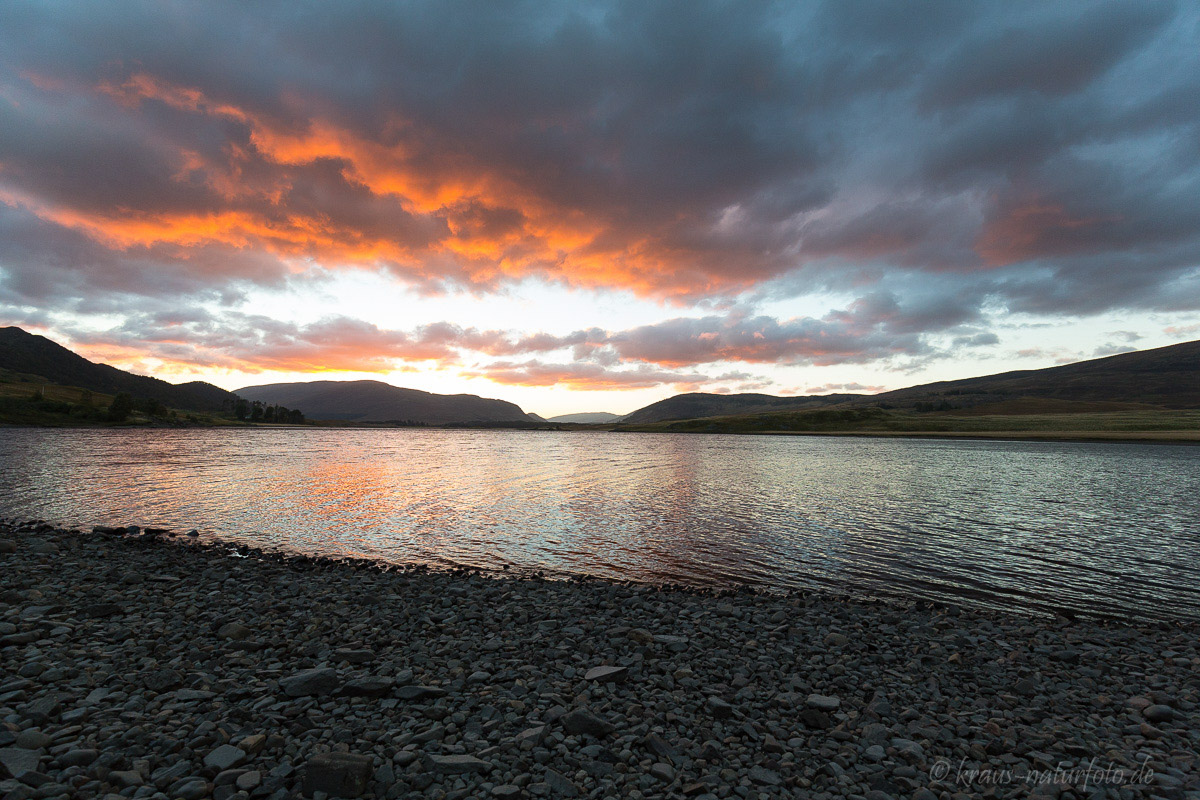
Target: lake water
1109, 528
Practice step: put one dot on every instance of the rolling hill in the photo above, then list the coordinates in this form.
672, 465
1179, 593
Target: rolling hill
1163, 379
375, 401
30, 354
700, 404
586, 417
1167, 377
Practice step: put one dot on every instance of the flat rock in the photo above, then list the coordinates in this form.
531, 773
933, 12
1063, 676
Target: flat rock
823, 702
416, 692
225, 757
354, 656
81, 757
660, 747
459, 764
560, 785
234, 631
370, 686
767, 777
101, 610
310, 682
338, 774
582, 721
606, 674
16, 761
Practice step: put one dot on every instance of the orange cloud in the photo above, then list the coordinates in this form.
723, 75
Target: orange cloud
584, 376
403, 166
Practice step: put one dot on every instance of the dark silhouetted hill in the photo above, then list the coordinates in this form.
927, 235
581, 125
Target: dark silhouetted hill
700, 404
375, 401
1163, 378
24, 352
586, 417
1167, 377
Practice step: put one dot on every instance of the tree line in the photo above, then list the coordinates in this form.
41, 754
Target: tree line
258, 411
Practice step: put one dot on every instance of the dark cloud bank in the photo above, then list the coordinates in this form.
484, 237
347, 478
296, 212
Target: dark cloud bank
931, 159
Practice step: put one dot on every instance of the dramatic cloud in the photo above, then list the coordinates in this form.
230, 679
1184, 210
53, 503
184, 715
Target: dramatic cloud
586, 376
938, 163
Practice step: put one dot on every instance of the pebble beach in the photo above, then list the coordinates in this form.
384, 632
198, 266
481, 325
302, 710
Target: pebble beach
142, 664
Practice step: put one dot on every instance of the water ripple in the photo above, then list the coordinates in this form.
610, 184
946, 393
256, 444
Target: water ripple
1110, 528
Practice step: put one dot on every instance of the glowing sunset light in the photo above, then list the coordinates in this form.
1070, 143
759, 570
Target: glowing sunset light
588, 207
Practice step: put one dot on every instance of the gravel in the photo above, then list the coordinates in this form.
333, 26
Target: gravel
150, 666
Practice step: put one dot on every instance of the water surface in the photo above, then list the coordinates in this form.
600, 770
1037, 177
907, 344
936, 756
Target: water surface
1110, 528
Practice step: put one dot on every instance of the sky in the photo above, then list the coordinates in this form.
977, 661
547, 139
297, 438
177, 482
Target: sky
592, 206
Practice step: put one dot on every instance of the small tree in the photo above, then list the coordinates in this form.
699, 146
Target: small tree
242, 409
120, 408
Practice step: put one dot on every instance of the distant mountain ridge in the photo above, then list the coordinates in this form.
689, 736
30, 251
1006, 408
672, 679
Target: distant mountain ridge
375, 401
29, 353
586, 417
1165, 377
703, 404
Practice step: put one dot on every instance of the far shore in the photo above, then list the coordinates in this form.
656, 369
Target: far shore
1187, 437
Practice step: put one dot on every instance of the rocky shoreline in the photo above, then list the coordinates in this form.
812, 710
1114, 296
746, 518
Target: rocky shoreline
132, 666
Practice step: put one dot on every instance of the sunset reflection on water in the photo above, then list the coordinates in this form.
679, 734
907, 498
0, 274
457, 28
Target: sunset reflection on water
1101, 527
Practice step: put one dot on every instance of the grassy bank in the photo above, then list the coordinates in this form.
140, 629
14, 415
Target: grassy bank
1142, 424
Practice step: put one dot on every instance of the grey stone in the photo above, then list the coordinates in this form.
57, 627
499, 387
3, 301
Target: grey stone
101, 610
16, 761
78, 758
768, 777
33, 740
582, 721
560, 785
249, 780
124, 779
310, 682
414, 692
191, 789
234, 631
459, 764
337, 774
606, 673
225, 757
823, 702
659, 746
369, 686
718, 708
1158, 713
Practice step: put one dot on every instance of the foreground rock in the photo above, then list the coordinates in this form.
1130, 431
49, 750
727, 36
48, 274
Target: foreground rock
149, 669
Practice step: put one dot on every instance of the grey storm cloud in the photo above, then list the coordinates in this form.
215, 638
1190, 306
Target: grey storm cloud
1042, 158
876, 328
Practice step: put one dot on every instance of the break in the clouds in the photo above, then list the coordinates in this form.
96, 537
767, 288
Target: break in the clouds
930, 166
